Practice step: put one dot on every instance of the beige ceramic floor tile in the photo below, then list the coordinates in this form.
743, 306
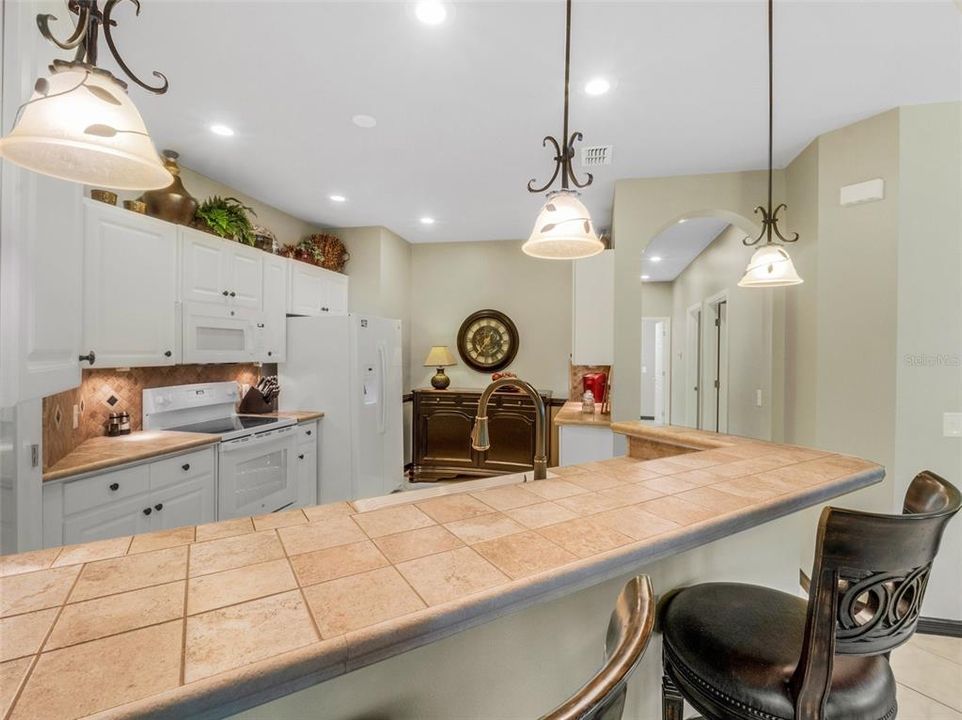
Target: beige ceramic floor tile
130, 573
28, 561
508, 497
713, 499
449, 508
635, 522
585, 536
484, 527
630, 494
22, 635
229, 587
114, 614
417, 543
590, 503
36, 591
162, 539
323, 512
451, 575
928, 674
524, 554
554, 489
11, 675
335, 562
354, 602
392, 520
238, 635
279, 520
234, 552
130, 666
678, 511
595, 481
916, 706
336, 530
535, 516
89, 552
224, 529
949, 648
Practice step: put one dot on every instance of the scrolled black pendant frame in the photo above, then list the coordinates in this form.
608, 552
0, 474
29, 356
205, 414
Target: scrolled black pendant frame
563, 157
770, 216
85, 37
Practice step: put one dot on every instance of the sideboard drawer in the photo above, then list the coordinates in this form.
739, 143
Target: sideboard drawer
79, 495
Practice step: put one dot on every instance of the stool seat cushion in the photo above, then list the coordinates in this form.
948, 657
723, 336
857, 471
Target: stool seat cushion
732, 649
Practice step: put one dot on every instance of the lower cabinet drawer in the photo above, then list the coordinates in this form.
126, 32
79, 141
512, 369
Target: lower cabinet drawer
99, 490
180, 468
307, 434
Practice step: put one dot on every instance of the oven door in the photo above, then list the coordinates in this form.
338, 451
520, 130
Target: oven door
257, 474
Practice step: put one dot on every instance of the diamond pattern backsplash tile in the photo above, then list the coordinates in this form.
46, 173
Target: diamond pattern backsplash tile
102, 392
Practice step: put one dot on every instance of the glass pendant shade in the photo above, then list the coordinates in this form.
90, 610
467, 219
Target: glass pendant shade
770, 266
563, 230
81, 126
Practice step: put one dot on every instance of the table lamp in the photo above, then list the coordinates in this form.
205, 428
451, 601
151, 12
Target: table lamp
440, 357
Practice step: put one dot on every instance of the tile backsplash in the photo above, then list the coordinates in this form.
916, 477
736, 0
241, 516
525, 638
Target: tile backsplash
102, 392
577, 372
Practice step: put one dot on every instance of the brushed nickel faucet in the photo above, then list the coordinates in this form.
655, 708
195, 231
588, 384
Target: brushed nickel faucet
480, 439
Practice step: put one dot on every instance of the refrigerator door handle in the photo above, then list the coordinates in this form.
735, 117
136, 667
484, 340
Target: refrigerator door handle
382, 406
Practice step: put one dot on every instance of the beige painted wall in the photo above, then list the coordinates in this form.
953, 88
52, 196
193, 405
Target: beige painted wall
656, 299
929, 344
452, 280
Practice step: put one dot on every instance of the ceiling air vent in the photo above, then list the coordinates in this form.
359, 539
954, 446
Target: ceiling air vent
595, 156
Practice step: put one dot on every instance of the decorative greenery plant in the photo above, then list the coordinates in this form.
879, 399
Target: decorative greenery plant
228, 218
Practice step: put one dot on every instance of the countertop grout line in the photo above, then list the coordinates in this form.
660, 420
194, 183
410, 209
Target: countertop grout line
183, 629
300, 590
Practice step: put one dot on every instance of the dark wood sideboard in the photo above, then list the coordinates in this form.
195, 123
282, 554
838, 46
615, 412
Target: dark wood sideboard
442, 434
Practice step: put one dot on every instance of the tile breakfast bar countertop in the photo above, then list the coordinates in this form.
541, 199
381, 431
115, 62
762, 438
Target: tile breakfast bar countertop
570, 414
214, 619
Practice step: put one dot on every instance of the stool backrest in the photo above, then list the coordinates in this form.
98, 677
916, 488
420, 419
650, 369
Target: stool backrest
629, 630
868, 582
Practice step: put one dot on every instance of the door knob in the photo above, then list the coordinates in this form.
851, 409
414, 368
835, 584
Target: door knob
90, 357
147, 511
114, 486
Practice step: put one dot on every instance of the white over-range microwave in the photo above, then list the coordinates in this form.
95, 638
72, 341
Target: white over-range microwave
219, 334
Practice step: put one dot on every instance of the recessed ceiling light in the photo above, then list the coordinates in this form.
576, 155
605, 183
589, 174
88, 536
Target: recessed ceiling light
655, 258
364, 121
597, 86
646, 277
682, 220
430, 12
222, 130
427, 220
337, 198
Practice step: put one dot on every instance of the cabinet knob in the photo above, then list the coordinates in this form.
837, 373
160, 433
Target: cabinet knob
90, 357
260, 325
270, 353
158, 507
225, 293
233, 294
301, 456
147, 511
308, 432
185, 467
324, 309
114, 486
168, 353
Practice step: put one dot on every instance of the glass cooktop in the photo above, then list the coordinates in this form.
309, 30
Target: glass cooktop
221, 426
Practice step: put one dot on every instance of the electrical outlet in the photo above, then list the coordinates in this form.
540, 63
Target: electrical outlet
952, 424
76, 416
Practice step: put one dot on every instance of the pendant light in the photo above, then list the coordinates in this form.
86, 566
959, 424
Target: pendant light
563, 229
771, 265
79, 124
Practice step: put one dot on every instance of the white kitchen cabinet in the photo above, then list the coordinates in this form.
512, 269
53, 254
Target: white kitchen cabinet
130, 304
316, 291
138, 498
305, 456
220, 272
593, 309
273, 342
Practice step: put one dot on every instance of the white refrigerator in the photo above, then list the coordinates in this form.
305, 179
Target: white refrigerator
349, 368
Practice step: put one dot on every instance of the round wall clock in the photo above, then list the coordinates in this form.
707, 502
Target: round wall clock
488, 341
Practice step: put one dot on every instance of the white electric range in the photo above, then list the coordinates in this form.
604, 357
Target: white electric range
255, 458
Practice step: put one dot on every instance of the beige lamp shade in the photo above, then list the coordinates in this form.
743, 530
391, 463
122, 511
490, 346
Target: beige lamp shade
563, 230
440, 356
80, 125
770, 266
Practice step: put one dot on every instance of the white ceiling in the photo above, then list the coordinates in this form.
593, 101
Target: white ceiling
677, 245
461, 108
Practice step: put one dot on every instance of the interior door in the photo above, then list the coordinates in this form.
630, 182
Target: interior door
660, 371
721, 416
693, 351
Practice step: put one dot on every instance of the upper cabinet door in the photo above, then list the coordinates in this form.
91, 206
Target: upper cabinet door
337, 290
593, 309
245, 275
307, 289
205, 267
130, 288
274, 346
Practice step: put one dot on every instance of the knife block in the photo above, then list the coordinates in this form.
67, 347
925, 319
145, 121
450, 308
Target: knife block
255, 404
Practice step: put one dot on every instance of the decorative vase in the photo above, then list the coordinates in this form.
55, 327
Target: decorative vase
173, 203
440, 381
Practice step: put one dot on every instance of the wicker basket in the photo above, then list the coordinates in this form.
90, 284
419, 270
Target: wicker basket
326, 251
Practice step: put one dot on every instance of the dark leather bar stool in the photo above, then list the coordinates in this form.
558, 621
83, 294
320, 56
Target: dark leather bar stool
743, 652
629, 630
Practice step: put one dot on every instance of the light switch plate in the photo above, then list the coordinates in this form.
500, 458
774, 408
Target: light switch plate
952, 424
758, 397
